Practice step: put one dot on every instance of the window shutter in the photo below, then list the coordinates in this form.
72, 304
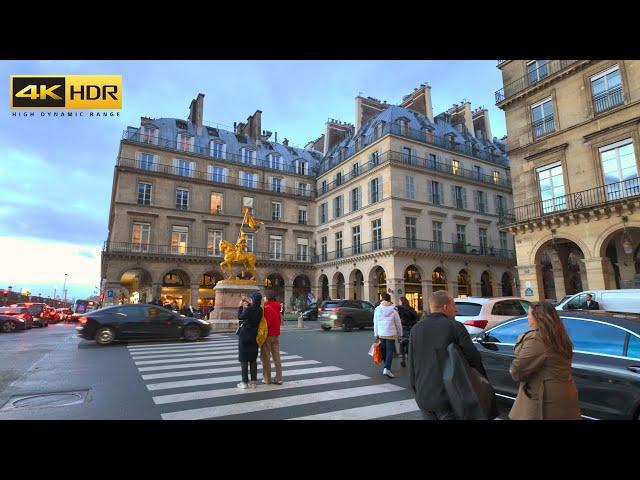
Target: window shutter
283, 184
429, 192
192, 169
464, 199
225, 173
359, 195
253, 157
370, 190
380, 189
270, 180
414, 157
476, 200
175, 166
193, 143
441, 188
255, 180
495, 203
453, 195
224, 150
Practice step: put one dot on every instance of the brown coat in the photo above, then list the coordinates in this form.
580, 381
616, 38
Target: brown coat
546, 376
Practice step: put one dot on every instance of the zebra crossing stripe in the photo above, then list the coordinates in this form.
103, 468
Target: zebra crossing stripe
206, 364
183, 350
280, 402
226, 392
208, 339
176, 355
213, 371
235, 378
366, 413
180, 347
182, 360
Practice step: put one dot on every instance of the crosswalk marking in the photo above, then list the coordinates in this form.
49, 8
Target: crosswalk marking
208, 339
182, 360
226, 392
206, 364
366, 413
175, 355
212, 371
182, 347
279, 402
235, 378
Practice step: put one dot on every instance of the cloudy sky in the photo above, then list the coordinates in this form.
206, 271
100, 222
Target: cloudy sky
57, 173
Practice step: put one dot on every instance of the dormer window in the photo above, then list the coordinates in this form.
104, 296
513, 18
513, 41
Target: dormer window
403, 126
185, 142
248, 156
378, 130
451, 138
149, 135
274, 161
302, 167
218, 149
341, 153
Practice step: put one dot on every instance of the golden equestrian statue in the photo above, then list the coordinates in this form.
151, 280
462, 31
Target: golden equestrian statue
237, 254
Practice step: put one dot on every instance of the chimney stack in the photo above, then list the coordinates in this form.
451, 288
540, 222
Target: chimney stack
285, 142
367, 108
196, 112
419, 101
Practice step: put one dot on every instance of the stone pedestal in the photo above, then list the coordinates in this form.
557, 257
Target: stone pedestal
228, 294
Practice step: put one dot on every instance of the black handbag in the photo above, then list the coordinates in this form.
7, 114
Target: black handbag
470, 394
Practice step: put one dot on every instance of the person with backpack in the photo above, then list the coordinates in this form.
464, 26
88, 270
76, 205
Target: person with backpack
428, 341
271, 347
249, 314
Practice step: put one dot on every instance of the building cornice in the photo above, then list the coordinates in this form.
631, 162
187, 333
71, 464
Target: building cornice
547, 151
184, 219
376, 211
590, 136
142, 214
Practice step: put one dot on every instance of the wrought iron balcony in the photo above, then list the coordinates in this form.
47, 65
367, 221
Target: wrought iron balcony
209, 153
595, 197
197, 252
212, 178
397, 243
608, 99
543, 72
442, 141
544, 126
399, 158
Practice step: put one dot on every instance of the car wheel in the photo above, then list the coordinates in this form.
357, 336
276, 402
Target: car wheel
192, 333
105, 336
8, 327
346, 325
326, 329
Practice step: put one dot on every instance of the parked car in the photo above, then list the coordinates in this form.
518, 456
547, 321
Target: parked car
38, 311
139, 322
310, 312
15, 318
606, 361
347, 314
625, 300
480, 313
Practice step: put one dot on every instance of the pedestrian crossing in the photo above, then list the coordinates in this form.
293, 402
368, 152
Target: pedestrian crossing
196, 381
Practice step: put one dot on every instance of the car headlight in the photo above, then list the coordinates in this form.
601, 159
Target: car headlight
203, 321
333, 316
21, 319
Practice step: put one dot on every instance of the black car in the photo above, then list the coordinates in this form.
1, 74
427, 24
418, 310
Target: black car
606, 361
139, 322
310, 312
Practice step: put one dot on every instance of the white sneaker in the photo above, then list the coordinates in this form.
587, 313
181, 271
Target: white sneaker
388, 373
253, 384
243, 385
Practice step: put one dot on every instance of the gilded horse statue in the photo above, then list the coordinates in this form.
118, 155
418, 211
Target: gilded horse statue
237, 254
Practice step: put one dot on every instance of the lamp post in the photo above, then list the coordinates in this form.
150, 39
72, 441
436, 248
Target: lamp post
65, 288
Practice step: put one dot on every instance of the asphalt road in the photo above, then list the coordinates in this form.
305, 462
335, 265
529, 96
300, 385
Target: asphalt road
327, 375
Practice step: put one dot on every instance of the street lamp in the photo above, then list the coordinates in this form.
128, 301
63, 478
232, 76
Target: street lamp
65, 288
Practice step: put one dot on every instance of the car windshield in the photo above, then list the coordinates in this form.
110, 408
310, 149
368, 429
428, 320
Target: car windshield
35, 309
331, 305
5, 310
467, 309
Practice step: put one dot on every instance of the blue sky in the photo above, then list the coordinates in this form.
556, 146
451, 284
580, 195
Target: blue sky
57, 173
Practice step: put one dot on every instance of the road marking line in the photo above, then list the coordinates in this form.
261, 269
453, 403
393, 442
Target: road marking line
280, 402
235, 378
180, 347
206, 364
366, 413
213, 371
182, 350
226, 392
179, 360
176, 355
210, 338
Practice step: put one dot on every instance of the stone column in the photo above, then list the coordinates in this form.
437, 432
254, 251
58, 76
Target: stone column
369, 289
596, 272
348, 289
397, 285
427, 290
558, 275
194, 295
530, 275
156, 288
288, 293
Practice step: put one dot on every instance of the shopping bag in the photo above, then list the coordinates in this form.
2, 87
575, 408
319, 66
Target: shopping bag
378, 358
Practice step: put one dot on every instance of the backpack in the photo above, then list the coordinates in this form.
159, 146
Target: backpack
263, 330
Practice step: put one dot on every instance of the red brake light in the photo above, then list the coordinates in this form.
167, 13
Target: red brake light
335, 309
83, 320
477, 323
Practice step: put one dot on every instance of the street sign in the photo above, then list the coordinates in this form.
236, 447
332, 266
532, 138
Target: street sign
109, 293
528, 292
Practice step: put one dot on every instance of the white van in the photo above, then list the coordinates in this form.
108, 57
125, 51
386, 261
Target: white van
624, 300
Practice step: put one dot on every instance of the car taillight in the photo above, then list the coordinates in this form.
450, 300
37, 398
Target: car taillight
477, 323
335, 309
83, 320
22, 316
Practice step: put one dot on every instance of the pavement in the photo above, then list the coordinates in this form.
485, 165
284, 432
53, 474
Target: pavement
327, 375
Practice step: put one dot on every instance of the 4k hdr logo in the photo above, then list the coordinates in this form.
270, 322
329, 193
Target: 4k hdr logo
70, 92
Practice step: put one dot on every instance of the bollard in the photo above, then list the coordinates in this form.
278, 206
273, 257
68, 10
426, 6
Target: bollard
300, 321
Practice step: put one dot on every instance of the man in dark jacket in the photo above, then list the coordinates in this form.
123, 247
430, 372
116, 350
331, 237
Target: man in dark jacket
249, 314
591, 304
428, 342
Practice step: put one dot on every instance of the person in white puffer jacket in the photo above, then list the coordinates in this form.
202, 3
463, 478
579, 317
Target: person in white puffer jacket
387, 328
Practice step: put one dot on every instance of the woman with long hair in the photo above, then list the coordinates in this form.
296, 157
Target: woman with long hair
543, 368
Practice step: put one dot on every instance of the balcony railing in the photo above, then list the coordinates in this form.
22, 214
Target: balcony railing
594, 197
211, 177
608, 99
200, 252
544, 126
533, 77
423, 136
399, 158
415, 244
210, 153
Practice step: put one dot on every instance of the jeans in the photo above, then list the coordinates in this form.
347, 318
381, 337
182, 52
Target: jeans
271, 348
389, 346
245, 371
445, 414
